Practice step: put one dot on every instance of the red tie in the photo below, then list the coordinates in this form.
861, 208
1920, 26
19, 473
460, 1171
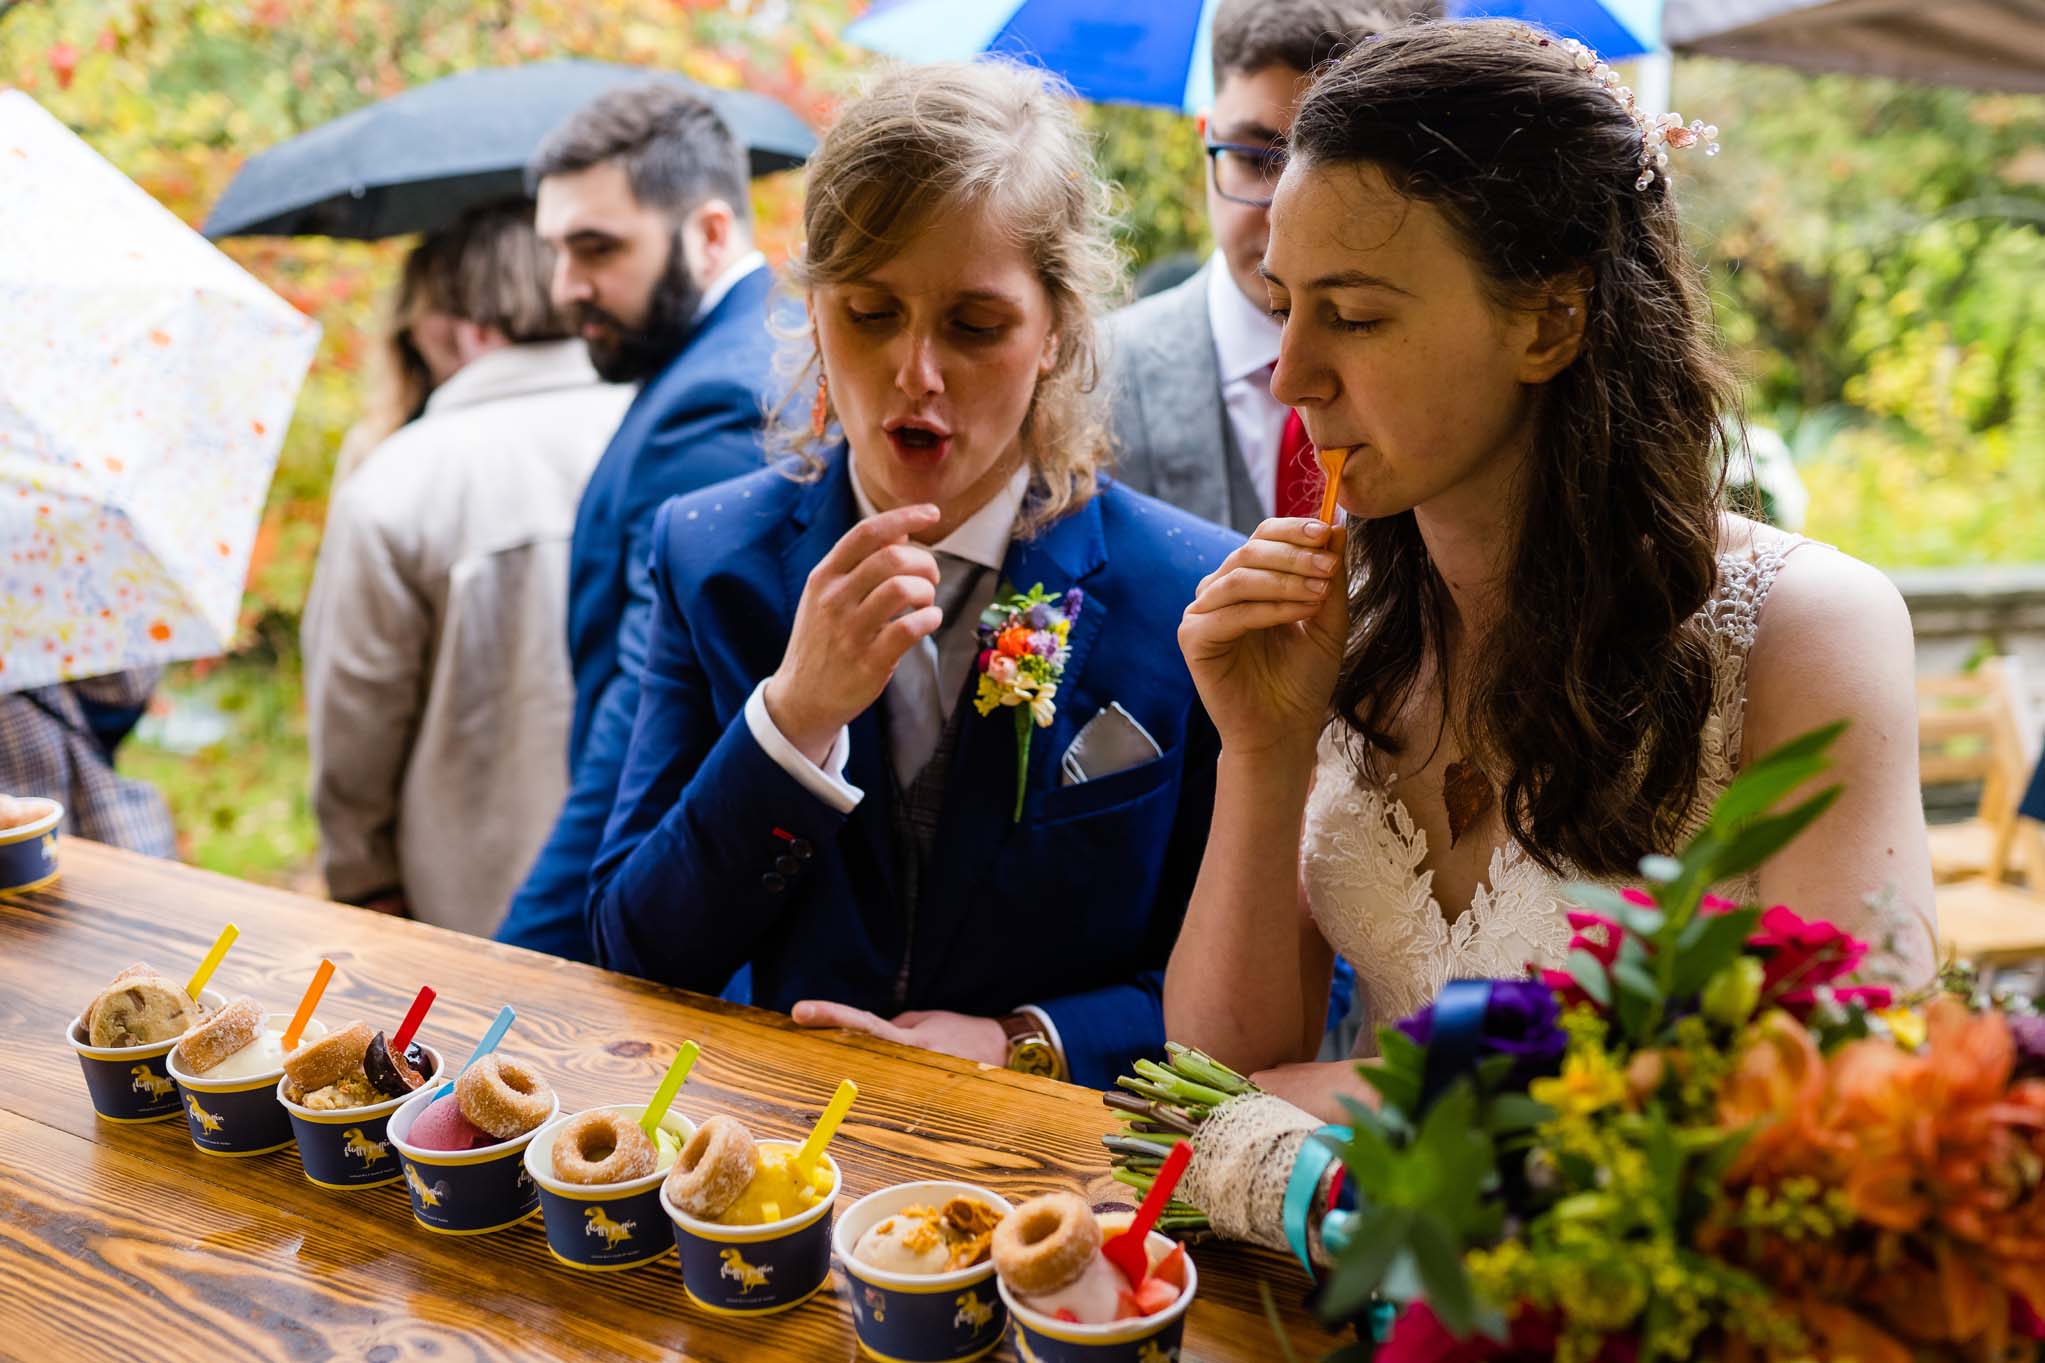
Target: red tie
1299, 471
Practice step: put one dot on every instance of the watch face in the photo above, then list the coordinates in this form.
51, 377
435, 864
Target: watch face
1033, 1056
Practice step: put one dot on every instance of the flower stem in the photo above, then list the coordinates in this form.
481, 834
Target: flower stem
1022, 755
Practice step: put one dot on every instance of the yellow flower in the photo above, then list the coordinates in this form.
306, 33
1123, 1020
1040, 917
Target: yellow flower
1906, 1025
1589, 1081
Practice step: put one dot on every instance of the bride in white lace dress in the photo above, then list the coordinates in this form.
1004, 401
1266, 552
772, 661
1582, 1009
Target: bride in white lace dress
1555, 649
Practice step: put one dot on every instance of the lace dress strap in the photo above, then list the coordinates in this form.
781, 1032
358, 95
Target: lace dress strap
1733, 620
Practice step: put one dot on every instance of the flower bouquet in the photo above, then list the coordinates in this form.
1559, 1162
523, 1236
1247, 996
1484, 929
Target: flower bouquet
1701, 1138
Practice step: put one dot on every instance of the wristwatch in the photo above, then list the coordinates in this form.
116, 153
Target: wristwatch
1029, 1046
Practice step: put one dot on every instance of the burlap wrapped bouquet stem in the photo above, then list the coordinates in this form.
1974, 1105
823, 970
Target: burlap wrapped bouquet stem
1242, 1159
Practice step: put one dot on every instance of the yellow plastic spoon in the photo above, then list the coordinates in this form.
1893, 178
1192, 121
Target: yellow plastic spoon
827, 1125
664, 1096
212, 961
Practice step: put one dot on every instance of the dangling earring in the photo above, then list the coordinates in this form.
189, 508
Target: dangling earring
820, 414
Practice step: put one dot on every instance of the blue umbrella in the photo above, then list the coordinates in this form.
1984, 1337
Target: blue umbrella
1129, 52
1614, 29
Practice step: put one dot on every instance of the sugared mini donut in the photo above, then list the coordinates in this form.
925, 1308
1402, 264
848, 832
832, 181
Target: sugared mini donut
714, 1169
503, 1097
602, 1147
139, 1008
226, 1032
335, 1056
1045, 1244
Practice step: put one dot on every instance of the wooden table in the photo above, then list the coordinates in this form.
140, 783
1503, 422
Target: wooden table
124, 1241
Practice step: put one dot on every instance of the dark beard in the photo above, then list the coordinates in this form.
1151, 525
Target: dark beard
622, 354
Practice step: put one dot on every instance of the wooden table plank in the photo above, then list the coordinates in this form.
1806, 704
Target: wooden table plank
130, 1241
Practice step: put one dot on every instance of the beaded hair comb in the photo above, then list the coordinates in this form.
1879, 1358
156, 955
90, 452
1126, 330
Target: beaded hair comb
1659, 134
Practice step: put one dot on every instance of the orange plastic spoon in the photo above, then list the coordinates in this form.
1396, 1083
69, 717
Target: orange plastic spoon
1331, 462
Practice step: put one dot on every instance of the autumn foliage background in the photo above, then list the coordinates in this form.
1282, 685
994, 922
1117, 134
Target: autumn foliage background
1878, 259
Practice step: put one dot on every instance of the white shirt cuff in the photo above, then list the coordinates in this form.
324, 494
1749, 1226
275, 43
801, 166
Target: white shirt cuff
827, 782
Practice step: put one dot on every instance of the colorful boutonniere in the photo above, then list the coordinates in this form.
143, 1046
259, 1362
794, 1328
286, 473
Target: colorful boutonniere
1022, 657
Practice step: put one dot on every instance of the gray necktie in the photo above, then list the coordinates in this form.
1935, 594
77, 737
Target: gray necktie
928, 680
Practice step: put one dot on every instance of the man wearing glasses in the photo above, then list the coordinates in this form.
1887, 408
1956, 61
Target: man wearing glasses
1190, 368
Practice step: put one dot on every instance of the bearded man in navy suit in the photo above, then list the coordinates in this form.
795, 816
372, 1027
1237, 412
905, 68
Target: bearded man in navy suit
643, 196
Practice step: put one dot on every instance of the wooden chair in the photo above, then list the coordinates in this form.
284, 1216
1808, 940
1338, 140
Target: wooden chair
1984, 918
1976, 727
1991, 924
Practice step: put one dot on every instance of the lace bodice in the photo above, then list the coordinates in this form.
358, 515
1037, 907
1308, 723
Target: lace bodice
1362, 852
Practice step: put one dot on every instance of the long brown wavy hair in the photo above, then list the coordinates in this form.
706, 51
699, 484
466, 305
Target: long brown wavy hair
1590, 693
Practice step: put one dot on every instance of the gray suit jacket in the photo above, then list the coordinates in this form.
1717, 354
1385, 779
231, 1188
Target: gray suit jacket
1172, 436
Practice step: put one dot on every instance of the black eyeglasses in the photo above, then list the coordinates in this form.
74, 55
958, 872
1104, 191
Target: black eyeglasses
1245, 174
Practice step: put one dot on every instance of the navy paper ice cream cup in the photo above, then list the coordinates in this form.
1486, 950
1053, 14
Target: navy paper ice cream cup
132, 1084
28, 851
1143, 1339
756, 1270
348, 1148
239, 1117
600, 1227
919, 1318
465, 1192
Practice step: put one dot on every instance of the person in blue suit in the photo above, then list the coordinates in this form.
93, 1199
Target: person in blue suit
2033, 804
810, 788
643, 196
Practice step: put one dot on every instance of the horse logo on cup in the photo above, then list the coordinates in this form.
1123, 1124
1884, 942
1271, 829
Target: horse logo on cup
877, 1304
614, 1233
748, 1276
1153, 1352
150, 1082
972, 1311
428, 1197
358, 1144
208, 1123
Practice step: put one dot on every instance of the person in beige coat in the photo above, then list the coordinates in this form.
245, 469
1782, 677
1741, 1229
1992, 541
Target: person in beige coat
436, 675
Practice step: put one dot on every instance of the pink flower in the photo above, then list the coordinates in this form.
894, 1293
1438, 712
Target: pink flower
1598, 935
1001, 669
1799, 955
1420, 1337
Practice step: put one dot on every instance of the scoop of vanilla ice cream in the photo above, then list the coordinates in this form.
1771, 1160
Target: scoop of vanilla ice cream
905, 1243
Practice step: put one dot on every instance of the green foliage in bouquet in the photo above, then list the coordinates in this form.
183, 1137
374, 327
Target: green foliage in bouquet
1530, 1178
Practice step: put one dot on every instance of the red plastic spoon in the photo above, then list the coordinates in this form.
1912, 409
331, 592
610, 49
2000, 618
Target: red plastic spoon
1130, 1251
413, 1018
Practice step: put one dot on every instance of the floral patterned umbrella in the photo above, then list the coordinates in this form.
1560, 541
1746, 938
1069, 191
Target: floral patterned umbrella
145, 384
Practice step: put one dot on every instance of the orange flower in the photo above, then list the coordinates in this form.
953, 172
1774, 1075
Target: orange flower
1777, 1088
1014, 641
1940, 1159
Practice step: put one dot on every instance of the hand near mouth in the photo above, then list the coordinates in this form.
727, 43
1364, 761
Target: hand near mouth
866, 603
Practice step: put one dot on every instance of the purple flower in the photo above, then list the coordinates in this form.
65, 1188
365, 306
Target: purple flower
1036, 617
1073, 600
1521, 1021
2028, 1031
1043, 643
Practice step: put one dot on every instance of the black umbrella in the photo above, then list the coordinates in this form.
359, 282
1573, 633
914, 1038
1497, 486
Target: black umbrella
414, 161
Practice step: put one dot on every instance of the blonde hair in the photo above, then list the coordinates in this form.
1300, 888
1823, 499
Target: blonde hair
925, 142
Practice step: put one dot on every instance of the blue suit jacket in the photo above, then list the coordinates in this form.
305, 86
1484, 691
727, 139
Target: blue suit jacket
715, 856
697, 423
